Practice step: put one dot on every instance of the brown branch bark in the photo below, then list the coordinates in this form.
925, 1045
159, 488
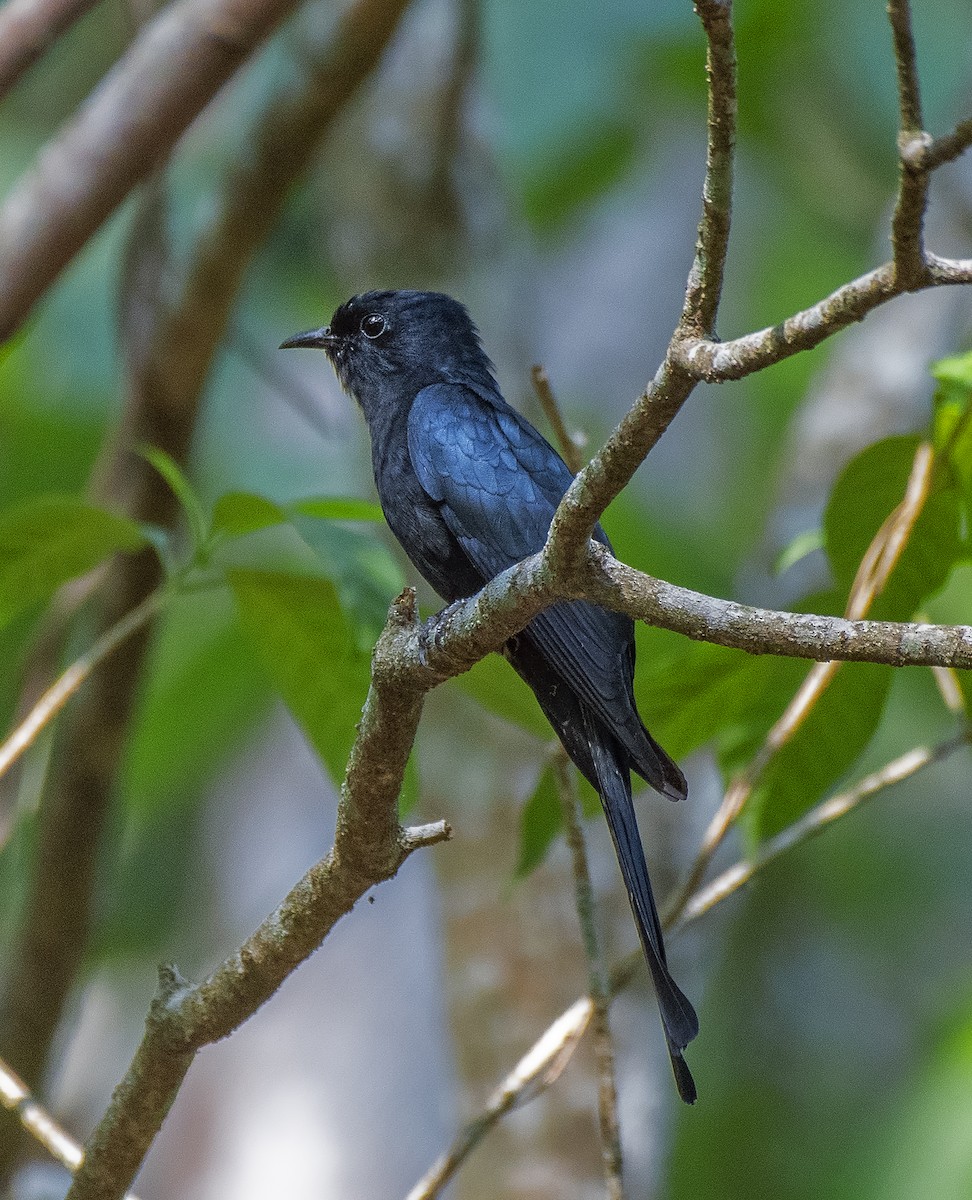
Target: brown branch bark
369, 847
125, 129
28, 28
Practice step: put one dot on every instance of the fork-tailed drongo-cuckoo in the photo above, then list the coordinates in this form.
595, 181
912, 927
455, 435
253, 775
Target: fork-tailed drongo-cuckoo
469, 487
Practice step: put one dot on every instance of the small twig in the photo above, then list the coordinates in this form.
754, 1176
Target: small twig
597, 982
929, 155
16, 1096
815, 821
611, 469
540, 1067
706, 276
907, 236
550, 1048
909, 91
569, 447
61, 691
878, 562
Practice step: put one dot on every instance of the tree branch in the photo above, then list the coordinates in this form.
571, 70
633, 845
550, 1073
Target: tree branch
717, 362
171, 332
124, 130
28, 28
369, 847
551, 1052
706, 276
611, 469
907, 238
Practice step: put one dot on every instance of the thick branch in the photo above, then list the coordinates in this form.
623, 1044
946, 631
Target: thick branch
125, 129
765, 631
369, 847
28, 28
452, 641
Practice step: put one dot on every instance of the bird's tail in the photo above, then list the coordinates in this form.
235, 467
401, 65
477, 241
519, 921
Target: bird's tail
678, 1017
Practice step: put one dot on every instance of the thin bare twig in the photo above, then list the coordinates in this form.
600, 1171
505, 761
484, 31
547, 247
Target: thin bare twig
705, 278
597, 982
815, 821
540, 1067
878, 562
38, 1122
940, 150
15, 1096
549, 1049
61, 691
907, 235
570, 447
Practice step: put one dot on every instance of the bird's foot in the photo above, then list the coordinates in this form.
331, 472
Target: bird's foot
434, 630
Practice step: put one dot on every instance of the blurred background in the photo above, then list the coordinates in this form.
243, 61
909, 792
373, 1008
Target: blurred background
543, 163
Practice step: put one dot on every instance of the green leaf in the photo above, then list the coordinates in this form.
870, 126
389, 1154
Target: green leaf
706, 695
48, 540
183, 491
952, 426
308, 649
803, 544
541, 821
337, 508
823, 750
203, 693
844, 720
871, 486
366, 576
238, 513
956, 372
494, 684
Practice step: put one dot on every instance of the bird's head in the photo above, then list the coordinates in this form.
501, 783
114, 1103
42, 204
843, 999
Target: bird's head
404, 340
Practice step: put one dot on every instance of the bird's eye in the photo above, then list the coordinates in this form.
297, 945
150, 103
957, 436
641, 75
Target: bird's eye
373, 325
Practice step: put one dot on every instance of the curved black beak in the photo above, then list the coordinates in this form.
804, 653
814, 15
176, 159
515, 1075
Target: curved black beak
313, 339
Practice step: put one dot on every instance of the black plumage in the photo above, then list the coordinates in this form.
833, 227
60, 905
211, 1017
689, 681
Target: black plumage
469, 488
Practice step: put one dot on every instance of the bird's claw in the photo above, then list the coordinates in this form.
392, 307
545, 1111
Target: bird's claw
432, 632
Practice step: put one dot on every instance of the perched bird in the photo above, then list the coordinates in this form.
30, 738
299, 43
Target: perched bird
469, 488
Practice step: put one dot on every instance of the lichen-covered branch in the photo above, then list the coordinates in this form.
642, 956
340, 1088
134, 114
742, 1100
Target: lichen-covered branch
369, 847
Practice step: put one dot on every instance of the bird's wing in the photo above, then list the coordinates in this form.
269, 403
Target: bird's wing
498, 483
496, 478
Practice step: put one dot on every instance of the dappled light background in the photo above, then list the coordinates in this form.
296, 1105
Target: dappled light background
543, 163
